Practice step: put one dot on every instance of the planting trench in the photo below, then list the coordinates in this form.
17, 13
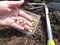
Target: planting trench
9, 36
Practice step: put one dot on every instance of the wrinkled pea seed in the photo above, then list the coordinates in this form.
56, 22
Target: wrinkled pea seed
16, 19
30, 30
33, 20
21, 21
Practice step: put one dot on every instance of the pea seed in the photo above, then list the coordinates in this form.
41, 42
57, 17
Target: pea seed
33, 23
21, 21
16, 19
33, 20
30, 30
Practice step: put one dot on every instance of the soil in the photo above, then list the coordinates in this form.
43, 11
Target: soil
9, 36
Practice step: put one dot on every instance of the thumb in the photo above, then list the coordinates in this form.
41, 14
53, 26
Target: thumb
15, 3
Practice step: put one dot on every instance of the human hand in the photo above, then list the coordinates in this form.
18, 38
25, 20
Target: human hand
7, 6
8, 18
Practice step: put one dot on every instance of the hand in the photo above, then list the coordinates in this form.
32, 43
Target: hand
8, 18
7, 6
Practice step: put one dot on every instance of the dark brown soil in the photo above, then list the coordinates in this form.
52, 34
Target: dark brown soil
9, 36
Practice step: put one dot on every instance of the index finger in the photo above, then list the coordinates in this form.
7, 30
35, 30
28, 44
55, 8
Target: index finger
15, 3
23, 14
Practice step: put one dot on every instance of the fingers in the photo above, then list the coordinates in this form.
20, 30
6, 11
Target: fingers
17, 26
15, 3
26, 21
23, 14
26, 27
26, 24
